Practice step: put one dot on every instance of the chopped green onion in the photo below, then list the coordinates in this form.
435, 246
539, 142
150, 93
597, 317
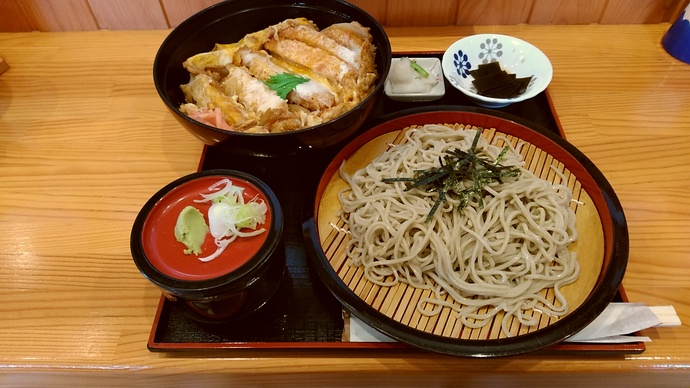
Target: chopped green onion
419, 69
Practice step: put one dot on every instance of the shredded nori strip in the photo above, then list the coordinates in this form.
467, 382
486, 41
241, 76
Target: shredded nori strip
464, 173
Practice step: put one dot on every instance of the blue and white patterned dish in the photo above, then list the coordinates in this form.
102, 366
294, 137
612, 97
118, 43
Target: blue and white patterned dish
515, 56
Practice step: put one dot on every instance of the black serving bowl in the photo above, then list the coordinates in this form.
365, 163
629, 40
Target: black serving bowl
239, 281
228, 22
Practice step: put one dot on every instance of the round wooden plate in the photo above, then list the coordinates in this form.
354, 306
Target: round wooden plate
602, 246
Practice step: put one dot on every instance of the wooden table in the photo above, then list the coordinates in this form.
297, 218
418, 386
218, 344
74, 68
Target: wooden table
85, 141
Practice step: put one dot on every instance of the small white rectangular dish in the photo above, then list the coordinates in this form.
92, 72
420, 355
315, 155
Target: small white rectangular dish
395, 89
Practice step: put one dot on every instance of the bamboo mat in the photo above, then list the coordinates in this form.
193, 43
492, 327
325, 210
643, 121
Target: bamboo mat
399, 302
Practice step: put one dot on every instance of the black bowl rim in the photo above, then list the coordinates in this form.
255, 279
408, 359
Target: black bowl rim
384, 46
598, 299
237, 278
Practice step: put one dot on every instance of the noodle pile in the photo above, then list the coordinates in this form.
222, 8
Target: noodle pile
481, 261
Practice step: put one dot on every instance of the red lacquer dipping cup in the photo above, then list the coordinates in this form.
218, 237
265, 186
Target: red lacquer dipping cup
236, 283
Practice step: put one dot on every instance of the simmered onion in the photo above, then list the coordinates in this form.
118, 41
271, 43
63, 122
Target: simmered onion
404, 79
229, 215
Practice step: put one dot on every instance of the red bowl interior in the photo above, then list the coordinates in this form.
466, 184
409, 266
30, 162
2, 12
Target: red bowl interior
167, 255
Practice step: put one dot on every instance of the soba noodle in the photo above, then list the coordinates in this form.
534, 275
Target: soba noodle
491, 260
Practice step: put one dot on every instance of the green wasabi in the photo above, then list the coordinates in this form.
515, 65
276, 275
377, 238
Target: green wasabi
191, 229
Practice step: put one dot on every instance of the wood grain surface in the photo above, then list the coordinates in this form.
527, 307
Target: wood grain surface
86, 15
85, 141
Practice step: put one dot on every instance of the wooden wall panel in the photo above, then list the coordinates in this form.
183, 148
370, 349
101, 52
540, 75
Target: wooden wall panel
412, 13
46, 15
129, 14
15, 17
567, 11
65, 15
179, 10
644, 11
677, 9
376, 8
78, 15
493, 12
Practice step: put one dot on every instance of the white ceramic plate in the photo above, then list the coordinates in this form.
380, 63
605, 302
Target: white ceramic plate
433, 67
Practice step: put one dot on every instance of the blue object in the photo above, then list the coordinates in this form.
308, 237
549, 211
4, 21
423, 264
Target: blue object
677, 39
462, 64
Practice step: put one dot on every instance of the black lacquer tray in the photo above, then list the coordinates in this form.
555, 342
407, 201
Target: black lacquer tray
304, 314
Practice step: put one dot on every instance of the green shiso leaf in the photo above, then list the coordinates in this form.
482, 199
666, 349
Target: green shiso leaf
284, 83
